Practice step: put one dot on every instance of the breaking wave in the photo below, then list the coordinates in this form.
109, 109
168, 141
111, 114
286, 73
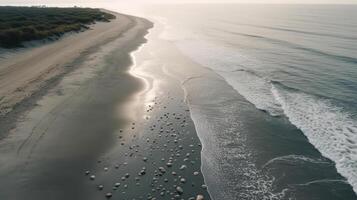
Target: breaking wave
330, 129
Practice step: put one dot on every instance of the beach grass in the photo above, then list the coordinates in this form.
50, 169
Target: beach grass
23, 24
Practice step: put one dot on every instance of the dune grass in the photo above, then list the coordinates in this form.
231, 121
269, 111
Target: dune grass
22, 24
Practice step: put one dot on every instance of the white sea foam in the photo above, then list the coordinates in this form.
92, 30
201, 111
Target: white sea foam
227, 162
323, 181
332, 131
234, 68
291, 159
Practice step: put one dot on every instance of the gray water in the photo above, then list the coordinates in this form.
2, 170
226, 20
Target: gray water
289, 129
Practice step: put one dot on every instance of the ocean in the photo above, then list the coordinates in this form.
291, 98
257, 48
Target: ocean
277, 114
289, 130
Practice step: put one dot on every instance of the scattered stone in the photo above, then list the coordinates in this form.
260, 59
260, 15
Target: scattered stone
142, 172
179, 190
196, 173
199, 197
100, 187
183, 167
108, 195
127, 175
92, 177
162, 170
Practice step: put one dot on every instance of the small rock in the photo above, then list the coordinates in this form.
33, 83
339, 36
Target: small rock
100, 187
179, 190
162, 170
127, 175
183, 167
108, 195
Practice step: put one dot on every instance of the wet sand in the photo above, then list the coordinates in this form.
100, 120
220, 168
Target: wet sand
103, 130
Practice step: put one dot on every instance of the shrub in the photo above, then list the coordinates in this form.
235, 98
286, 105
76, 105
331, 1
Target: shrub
21, 24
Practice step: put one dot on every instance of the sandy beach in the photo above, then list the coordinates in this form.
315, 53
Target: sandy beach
25, 71
81, 120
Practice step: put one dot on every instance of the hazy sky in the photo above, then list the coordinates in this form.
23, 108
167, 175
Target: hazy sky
179, 1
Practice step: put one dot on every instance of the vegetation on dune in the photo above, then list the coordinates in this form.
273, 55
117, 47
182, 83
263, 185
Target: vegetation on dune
21, 24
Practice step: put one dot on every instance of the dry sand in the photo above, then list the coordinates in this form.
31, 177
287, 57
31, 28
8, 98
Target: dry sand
25, 72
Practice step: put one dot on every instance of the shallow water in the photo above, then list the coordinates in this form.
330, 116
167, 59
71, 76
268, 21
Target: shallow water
281, 123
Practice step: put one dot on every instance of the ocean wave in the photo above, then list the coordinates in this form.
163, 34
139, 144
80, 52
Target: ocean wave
293, 30
225, 157
295, 159
291, 45
255, 89
332, 131
323, 181
253, 86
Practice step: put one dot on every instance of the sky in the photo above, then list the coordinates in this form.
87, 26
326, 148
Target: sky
2, 2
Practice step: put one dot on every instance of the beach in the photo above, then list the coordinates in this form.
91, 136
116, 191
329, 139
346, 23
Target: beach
90, 123
189, 102
22, 73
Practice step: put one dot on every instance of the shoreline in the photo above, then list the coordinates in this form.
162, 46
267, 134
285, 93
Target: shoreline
91, 126
44, 142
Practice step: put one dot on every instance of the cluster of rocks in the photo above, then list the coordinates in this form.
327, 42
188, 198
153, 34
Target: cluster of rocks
169, 158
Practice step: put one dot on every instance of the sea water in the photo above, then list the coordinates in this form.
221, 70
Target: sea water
290, 129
